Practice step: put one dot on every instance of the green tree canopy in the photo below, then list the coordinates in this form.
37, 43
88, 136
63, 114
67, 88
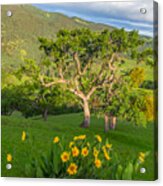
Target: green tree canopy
85, 62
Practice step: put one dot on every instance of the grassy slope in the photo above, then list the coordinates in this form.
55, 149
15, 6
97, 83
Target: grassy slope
28, 23
127, 139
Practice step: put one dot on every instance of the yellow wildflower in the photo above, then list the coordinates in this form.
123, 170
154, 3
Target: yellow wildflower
108, 146
98, 137
71, 144
81, 137
97, 163
85, 151
141, 154
75, 138
95, 152
103, 148
107, 157
75, 151
23, 136
65, 156
72, 169
56, 139
141, 159
9, 157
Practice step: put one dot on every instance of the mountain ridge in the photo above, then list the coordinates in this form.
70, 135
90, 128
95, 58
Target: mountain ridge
27, 23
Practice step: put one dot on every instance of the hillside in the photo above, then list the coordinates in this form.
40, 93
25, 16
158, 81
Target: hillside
22, 29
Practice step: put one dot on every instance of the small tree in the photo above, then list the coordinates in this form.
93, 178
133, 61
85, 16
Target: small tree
124, 97
84, 61
35, 98
109, 103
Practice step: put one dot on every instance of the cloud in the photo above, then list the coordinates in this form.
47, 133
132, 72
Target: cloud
120, 14
124, 10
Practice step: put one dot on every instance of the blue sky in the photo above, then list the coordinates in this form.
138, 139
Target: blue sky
118, 14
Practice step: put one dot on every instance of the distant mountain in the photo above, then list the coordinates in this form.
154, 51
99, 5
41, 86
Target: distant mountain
27, 23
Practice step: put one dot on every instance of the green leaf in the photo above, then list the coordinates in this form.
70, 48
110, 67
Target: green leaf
39, 173
118, 174
128, 172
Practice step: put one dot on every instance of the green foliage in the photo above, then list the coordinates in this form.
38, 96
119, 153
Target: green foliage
137, 76
9, 101
150, 107
128, 171
136, 107
25, 93
75, 53
148, 84
91, 45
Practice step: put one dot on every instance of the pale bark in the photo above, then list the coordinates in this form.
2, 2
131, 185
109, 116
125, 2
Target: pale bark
106, 119
86, 121
113, 122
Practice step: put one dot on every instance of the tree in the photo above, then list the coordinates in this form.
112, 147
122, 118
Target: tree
137, 75
124, 97
109, 103
83, 61
36, 98
140, 107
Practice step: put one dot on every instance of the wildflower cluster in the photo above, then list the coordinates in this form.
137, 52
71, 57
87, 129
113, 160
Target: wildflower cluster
81, 158
80, 148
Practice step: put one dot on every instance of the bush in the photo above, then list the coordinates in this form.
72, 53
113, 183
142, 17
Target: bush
148, 84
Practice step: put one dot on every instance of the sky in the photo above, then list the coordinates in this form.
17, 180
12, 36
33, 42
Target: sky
119, 14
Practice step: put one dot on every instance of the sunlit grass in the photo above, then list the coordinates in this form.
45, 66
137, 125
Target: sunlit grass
126, 139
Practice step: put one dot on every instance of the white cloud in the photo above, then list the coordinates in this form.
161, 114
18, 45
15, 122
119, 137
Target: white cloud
125, 9
119, 14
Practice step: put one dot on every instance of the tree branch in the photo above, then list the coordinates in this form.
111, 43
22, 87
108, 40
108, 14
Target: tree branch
60, 71
78, 64
86, 66
54, 82
79, 94
91, 92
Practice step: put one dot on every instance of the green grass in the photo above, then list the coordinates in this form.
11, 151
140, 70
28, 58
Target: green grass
127, 139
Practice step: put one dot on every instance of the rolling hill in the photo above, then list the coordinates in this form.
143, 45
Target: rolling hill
27, 23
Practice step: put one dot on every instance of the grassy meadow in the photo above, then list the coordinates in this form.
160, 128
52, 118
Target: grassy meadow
127, 139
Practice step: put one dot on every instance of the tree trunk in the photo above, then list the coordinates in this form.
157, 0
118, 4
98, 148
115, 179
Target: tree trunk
113, 122
86, 122
45, 114
106, 119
